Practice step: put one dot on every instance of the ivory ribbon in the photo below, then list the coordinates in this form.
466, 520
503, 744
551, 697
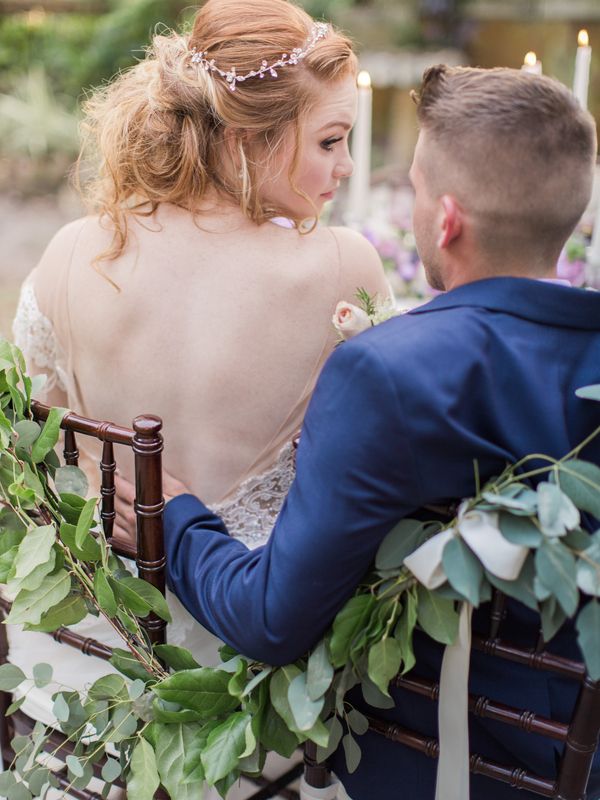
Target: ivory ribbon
313, 793
480, 530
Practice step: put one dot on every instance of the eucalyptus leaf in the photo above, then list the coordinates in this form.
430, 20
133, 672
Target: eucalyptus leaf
179, 749
591, 392
203, 690
463, 569
400, 542
374, 696
272, 732
336, 731
68, 612
352, 752
70, 480
27, 431
520, 588
552, 616
75, 766
520, 530
349, 623
224, 747
588, 637
42, 675
60, 709
11, 676
109, 687
144, 779
16, 705
48, 437
111, 770
305, 711
385, 657
580, 481
357, 721
556, 512
555, 566
319, 672
436, 616
29, 606
176, 657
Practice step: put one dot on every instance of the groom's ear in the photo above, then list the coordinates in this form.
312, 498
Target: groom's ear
451, 221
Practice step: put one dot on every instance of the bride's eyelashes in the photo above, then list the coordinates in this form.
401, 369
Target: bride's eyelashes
327, 144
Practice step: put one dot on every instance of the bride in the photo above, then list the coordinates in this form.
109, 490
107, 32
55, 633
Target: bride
202, 288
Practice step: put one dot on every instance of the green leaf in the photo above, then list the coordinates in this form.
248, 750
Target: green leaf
552, 617
352, 752
336, 731
588, 637
385, 657
143, 779
580, 481
520, 530
10, 677
60, 709
68, 612
462, 569
271, 730
224, 746
178, 755
75, 766
126, 663
591, 392
27, 431
400, 542
72, 481
42, 675
237, 682
357, 721
520, 589
111, 770
523, 502
109, 687
16, 705
176, 657
169, 713
85, 522
256, 680
89, 550
374, 696
556, 511
349, 623
278, 691
203, 690
403, 632
29, 606
319, 673
437, 616
555, 566
34, 551
48, 438
141, 597
7, 561
305, 711
103, 593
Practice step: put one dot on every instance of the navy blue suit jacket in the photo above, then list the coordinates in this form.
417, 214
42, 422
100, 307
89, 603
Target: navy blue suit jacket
487, 371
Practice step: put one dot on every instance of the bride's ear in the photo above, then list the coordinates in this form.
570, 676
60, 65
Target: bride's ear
451, 221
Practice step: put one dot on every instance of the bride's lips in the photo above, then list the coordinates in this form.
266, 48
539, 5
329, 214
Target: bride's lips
329, 195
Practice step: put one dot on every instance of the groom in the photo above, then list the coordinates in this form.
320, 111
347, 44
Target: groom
486, 372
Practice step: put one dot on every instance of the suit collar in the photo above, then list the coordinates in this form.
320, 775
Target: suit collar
538, 301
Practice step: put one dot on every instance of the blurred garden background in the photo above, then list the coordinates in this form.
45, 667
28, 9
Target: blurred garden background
53, 52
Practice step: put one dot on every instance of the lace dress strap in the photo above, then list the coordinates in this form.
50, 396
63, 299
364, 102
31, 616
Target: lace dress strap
251, 511
34, 335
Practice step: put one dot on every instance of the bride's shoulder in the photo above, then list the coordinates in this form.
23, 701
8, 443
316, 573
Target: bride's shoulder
360, 263
62, 244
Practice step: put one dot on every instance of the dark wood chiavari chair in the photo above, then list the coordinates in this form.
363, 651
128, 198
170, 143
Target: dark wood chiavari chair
579, 736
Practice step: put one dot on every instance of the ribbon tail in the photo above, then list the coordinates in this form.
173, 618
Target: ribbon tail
313, 793
453, 706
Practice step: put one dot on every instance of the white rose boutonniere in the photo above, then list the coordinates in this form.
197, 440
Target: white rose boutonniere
350, 319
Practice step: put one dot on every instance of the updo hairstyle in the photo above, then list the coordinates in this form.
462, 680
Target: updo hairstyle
158, 131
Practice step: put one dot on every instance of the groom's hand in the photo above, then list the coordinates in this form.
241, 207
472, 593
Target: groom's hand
125, 523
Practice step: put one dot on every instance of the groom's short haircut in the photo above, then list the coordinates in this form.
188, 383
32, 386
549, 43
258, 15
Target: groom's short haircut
515, 149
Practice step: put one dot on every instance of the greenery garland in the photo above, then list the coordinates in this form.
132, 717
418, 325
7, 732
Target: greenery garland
191, 724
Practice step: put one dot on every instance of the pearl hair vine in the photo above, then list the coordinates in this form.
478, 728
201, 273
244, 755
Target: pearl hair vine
319, 31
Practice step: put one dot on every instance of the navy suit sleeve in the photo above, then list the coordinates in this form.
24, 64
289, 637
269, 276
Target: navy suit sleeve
356, 477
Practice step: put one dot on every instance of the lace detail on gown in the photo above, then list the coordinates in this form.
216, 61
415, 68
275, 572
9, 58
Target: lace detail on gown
34, 335
251, 512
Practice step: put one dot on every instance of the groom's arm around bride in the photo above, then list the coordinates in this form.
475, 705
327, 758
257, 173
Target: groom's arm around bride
487, 371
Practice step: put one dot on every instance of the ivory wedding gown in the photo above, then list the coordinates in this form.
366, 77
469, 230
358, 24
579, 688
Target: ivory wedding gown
221, 332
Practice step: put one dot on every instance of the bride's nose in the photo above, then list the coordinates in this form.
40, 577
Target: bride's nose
344, 168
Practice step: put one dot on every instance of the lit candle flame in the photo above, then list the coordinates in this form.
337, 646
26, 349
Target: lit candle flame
363, 80
530, 59
583, 39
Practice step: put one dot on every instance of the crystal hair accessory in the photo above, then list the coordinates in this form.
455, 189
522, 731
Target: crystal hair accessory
319, 31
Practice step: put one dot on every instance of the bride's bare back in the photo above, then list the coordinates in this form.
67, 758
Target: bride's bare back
219, 326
